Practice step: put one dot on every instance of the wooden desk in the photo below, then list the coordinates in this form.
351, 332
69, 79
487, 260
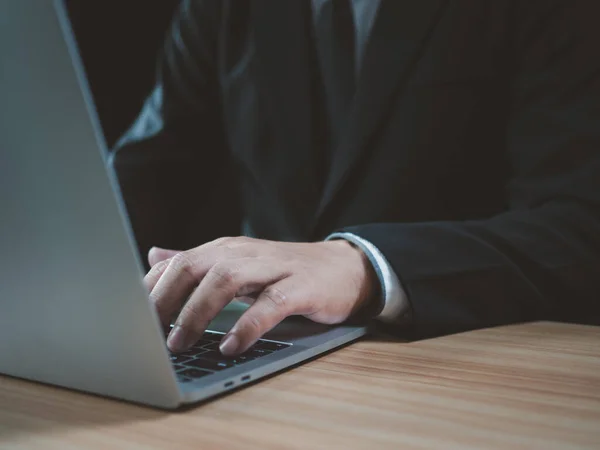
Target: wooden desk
526, 386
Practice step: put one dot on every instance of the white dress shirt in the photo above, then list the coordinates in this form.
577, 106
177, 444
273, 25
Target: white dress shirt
395, 302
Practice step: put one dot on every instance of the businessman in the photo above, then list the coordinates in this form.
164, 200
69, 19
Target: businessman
432, 165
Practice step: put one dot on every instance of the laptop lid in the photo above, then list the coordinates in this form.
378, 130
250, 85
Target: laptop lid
73, 309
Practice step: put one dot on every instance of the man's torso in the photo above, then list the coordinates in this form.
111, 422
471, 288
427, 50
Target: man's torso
426, 137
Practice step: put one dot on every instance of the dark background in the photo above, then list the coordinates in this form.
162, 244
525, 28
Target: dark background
119, 41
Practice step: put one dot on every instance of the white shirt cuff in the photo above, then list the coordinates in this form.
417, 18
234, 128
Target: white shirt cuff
395, 301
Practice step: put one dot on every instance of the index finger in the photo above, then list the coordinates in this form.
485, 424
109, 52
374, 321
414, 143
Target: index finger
274, 304
220, 285
156, 255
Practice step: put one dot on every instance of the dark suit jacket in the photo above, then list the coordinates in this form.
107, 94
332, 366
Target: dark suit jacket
471, 160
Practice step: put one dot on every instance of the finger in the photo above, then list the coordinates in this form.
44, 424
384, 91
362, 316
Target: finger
155, 273
168, 288
246, 300
275, 303
180, 276
207, 252
156, 255
220, 285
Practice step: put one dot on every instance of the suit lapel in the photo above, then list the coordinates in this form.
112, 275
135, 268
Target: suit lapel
286, 72
395, 44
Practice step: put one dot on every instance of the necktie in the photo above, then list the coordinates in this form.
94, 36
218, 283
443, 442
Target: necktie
335, 35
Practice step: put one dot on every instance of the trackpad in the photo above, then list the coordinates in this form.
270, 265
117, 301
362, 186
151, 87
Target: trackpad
290, 329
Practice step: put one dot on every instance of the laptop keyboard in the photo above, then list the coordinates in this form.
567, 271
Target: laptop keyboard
204, 358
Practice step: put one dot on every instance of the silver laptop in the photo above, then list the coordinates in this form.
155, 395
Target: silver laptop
73, 309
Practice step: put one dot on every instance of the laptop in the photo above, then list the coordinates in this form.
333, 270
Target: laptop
73, 309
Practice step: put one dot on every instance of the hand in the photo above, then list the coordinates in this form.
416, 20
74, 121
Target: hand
325, 282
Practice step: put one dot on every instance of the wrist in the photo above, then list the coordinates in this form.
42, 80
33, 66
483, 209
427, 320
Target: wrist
362, 271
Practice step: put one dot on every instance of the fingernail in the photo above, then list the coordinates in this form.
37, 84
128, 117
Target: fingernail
229, 345
177, 339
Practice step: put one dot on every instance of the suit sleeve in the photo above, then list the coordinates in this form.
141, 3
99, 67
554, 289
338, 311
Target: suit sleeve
171, 163
540, 259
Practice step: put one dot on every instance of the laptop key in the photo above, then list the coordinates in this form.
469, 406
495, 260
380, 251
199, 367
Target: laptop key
194, 373
218, 356
257, 352
209, 364
242, 359
178, 358
267, 345
202, 343
215, 355
212, 346
193, 352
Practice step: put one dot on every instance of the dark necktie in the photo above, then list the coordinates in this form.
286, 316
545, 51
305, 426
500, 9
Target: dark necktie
335, 35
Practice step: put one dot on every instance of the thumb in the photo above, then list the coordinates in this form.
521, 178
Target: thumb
156, 255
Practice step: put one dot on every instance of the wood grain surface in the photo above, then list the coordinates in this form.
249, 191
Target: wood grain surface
524, 386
